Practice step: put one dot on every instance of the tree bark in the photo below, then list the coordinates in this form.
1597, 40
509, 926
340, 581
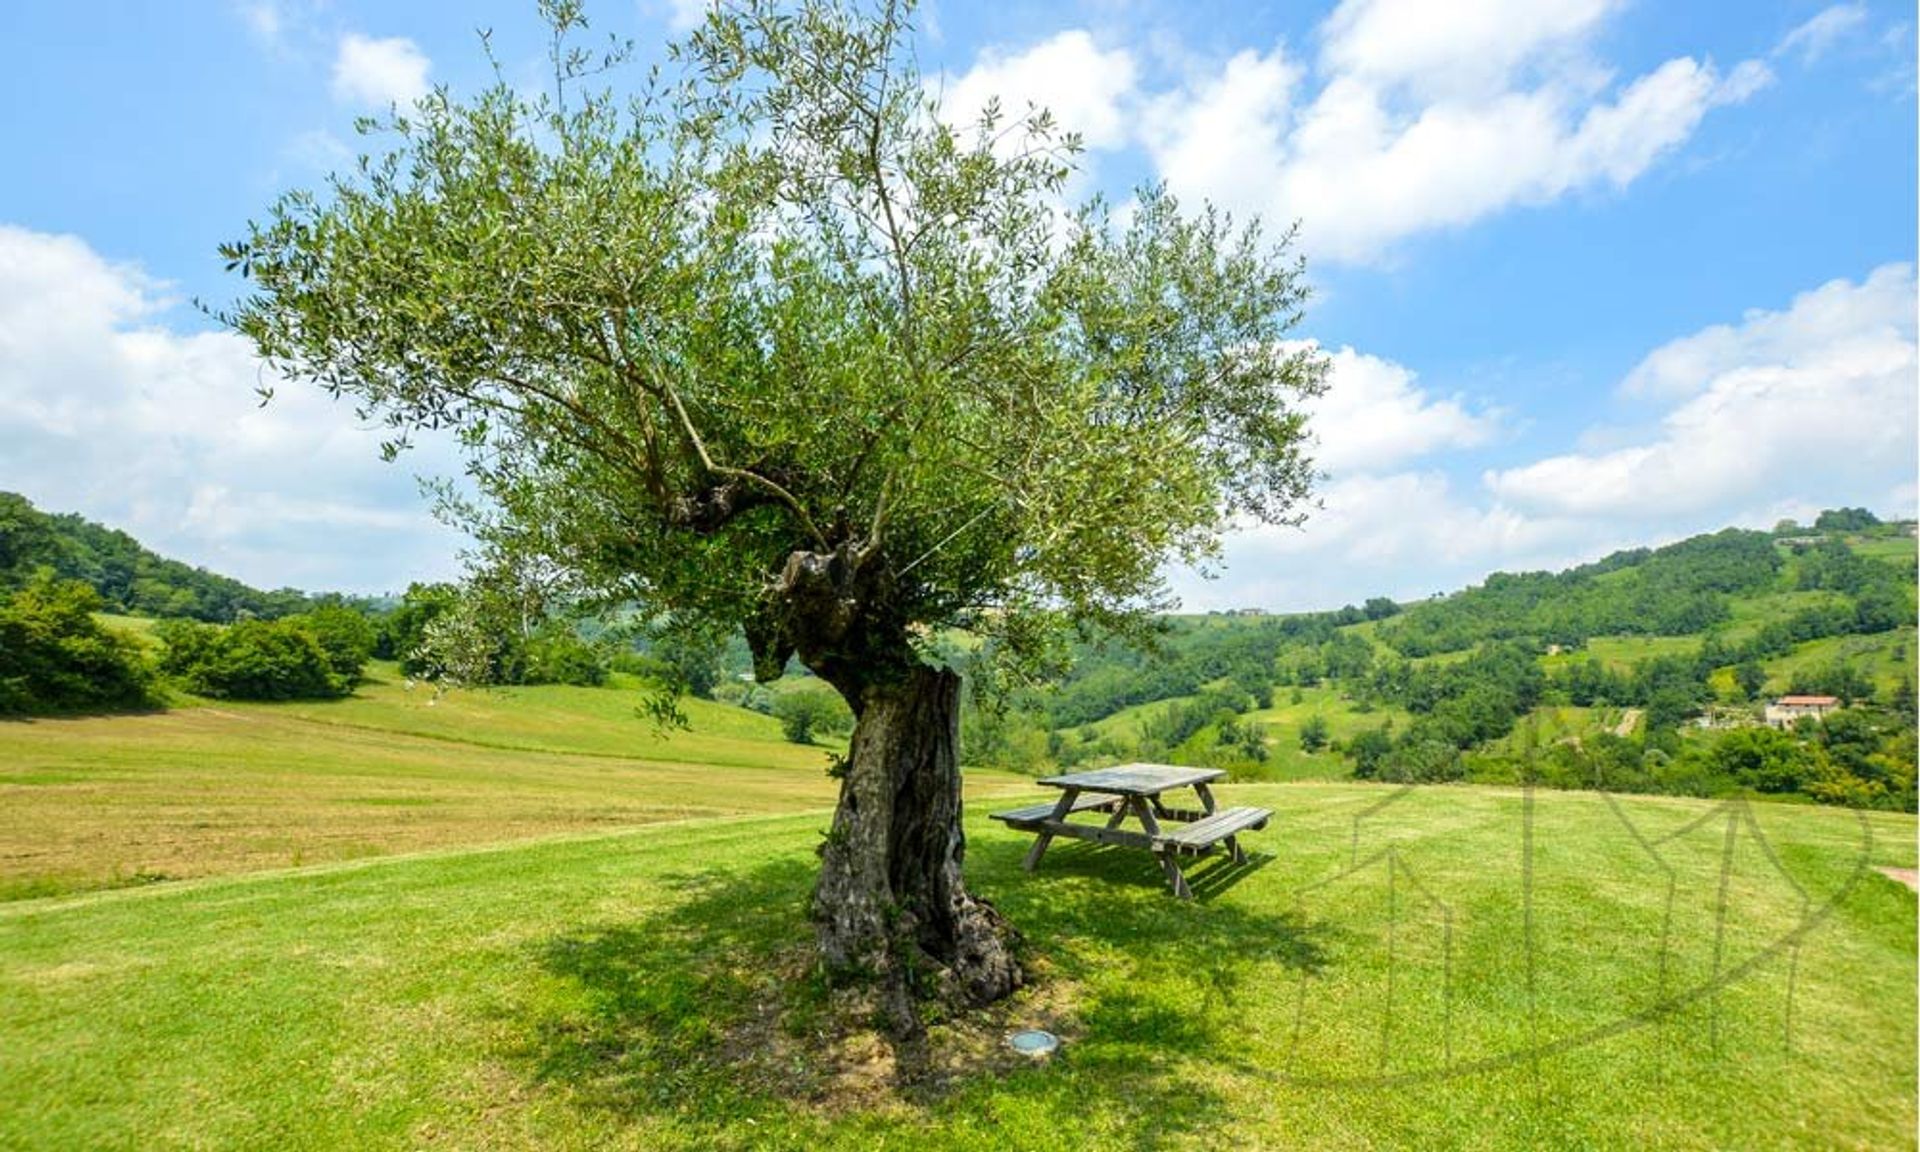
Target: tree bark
891, 904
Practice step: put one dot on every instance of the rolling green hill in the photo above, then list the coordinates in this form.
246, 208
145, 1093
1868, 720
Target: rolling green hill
1709, 626
130, 577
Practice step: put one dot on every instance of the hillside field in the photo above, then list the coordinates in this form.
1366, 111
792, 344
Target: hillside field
220, 787
1393, 969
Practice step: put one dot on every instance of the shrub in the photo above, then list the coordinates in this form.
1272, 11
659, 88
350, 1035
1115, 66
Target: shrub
55, 657
1422, 761
809, 710
347, 637
558, 655
251, 660
1313, 734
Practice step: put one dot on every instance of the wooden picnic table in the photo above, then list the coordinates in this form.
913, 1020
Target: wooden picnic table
1138, 791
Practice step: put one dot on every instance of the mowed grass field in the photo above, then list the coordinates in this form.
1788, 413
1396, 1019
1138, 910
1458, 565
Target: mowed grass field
1430, 968
221, 787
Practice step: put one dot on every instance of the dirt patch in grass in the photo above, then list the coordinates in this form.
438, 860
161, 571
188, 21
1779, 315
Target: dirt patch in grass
1907, 876
818, 1047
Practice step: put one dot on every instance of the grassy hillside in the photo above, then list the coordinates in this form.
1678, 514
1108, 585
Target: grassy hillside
1392, 971
1883, 658
1713, 624
1288, 761
226, 787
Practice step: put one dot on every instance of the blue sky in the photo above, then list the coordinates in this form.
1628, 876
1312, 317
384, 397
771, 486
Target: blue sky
1595, 273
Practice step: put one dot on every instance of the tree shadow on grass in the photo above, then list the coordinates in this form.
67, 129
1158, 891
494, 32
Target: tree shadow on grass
706, 1018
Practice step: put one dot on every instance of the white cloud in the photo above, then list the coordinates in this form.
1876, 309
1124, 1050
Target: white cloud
1813, 39
1427, 117
1421, 117
106, 411
1227, 131
1453, 50
1788, 412
1085, 88
1837, 319
1816, 402
686, 15
375, 73
262, 18
1407, 535
1372, 417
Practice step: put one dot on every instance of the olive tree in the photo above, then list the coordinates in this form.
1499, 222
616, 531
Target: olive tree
780, 343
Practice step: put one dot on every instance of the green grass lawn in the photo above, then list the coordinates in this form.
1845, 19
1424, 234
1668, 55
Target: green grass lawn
1752, 613
1394, 970
137, 625
228, 787
601, 721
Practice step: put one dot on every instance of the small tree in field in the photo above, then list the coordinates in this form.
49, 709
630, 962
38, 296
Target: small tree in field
1313, 734
776, 346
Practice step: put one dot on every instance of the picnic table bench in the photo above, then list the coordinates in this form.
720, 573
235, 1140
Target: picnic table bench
1138, 790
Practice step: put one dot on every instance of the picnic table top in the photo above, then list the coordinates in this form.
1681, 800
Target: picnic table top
1134, 779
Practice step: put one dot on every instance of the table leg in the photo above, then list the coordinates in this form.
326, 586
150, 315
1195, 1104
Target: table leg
1206, 797
1145, 813
1038, 850
1174, 876
1234, 851
1060, 812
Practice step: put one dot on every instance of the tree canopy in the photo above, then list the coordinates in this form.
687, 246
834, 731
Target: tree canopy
780, 341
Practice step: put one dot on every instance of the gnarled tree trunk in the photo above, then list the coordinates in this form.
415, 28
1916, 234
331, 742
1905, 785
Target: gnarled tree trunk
891, 903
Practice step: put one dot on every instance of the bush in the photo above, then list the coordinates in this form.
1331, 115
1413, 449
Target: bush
557, 655
347, 637
1422, 761
251, 660
1313, 734
806, 711
55, 657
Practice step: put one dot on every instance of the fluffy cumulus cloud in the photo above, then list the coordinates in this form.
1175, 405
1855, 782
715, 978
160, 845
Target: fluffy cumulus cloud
1410, 117
107, 411
374, 73
1779, 415
1430, 117
1087, 89
1373, 417
1816, 401
1406, 534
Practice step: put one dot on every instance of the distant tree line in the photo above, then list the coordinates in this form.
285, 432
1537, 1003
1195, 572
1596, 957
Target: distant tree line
127, 577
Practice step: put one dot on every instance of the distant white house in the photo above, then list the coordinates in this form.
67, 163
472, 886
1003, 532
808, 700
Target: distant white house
1784, 711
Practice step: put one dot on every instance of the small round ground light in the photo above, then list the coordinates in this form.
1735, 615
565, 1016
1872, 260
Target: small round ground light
1034, 1042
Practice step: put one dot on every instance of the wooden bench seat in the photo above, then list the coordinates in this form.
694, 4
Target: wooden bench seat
1199, 837
1085, 802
